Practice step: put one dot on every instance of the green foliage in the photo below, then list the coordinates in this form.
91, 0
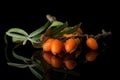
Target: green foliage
20, 57
17, 31
18, 65
56, 23
19, 35
58, 29
40, 30
36, 73
55, 29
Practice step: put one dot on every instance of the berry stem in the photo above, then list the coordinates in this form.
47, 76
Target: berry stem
103, 34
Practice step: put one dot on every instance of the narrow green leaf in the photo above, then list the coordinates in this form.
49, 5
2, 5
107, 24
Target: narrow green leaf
56, 23
40, 30
72, 30
18, 65
36, 38
17, 30
25, 41
15, 35
68, 31
36, 43
38, 75
39, 65
58, 29
32, 40
20, 57
14, 39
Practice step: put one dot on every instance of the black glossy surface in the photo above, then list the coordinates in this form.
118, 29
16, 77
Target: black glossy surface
29, 19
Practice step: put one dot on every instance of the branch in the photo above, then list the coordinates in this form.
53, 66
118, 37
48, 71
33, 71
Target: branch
103, 34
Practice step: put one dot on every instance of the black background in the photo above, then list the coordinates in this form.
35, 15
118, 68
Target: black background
95, 16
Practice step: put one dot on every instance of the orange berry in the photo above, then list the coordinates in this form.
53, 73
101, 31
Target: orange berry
91, 56
47, 45
70, 64
56, 46
70, 45
56, 61
92, 43
47, 57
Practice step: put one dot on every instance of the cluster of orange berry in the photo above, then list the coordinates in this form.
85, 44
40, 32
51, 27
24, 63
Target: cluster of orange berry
59, 51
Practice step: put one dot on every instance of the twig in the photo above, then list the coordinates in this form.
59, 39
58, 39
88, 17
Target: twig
103, 34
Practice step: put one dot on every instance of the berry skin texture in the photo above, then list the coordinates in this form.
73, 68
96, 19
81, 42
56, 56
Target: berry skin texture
70, 64
92, 43
56, 62
47, 45
56, 46
91, 56
47, 57
70, 45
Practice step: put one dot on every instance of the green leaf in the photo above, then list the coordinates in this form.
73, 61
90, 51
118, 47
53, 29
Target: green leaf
38, 75
73, 29
16, 35
58, 29
39, 65
56, 23
17, 30
25, 41
14, 39
20, 57
18, 65
70, 30
36, 38
32, 40
40, 30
